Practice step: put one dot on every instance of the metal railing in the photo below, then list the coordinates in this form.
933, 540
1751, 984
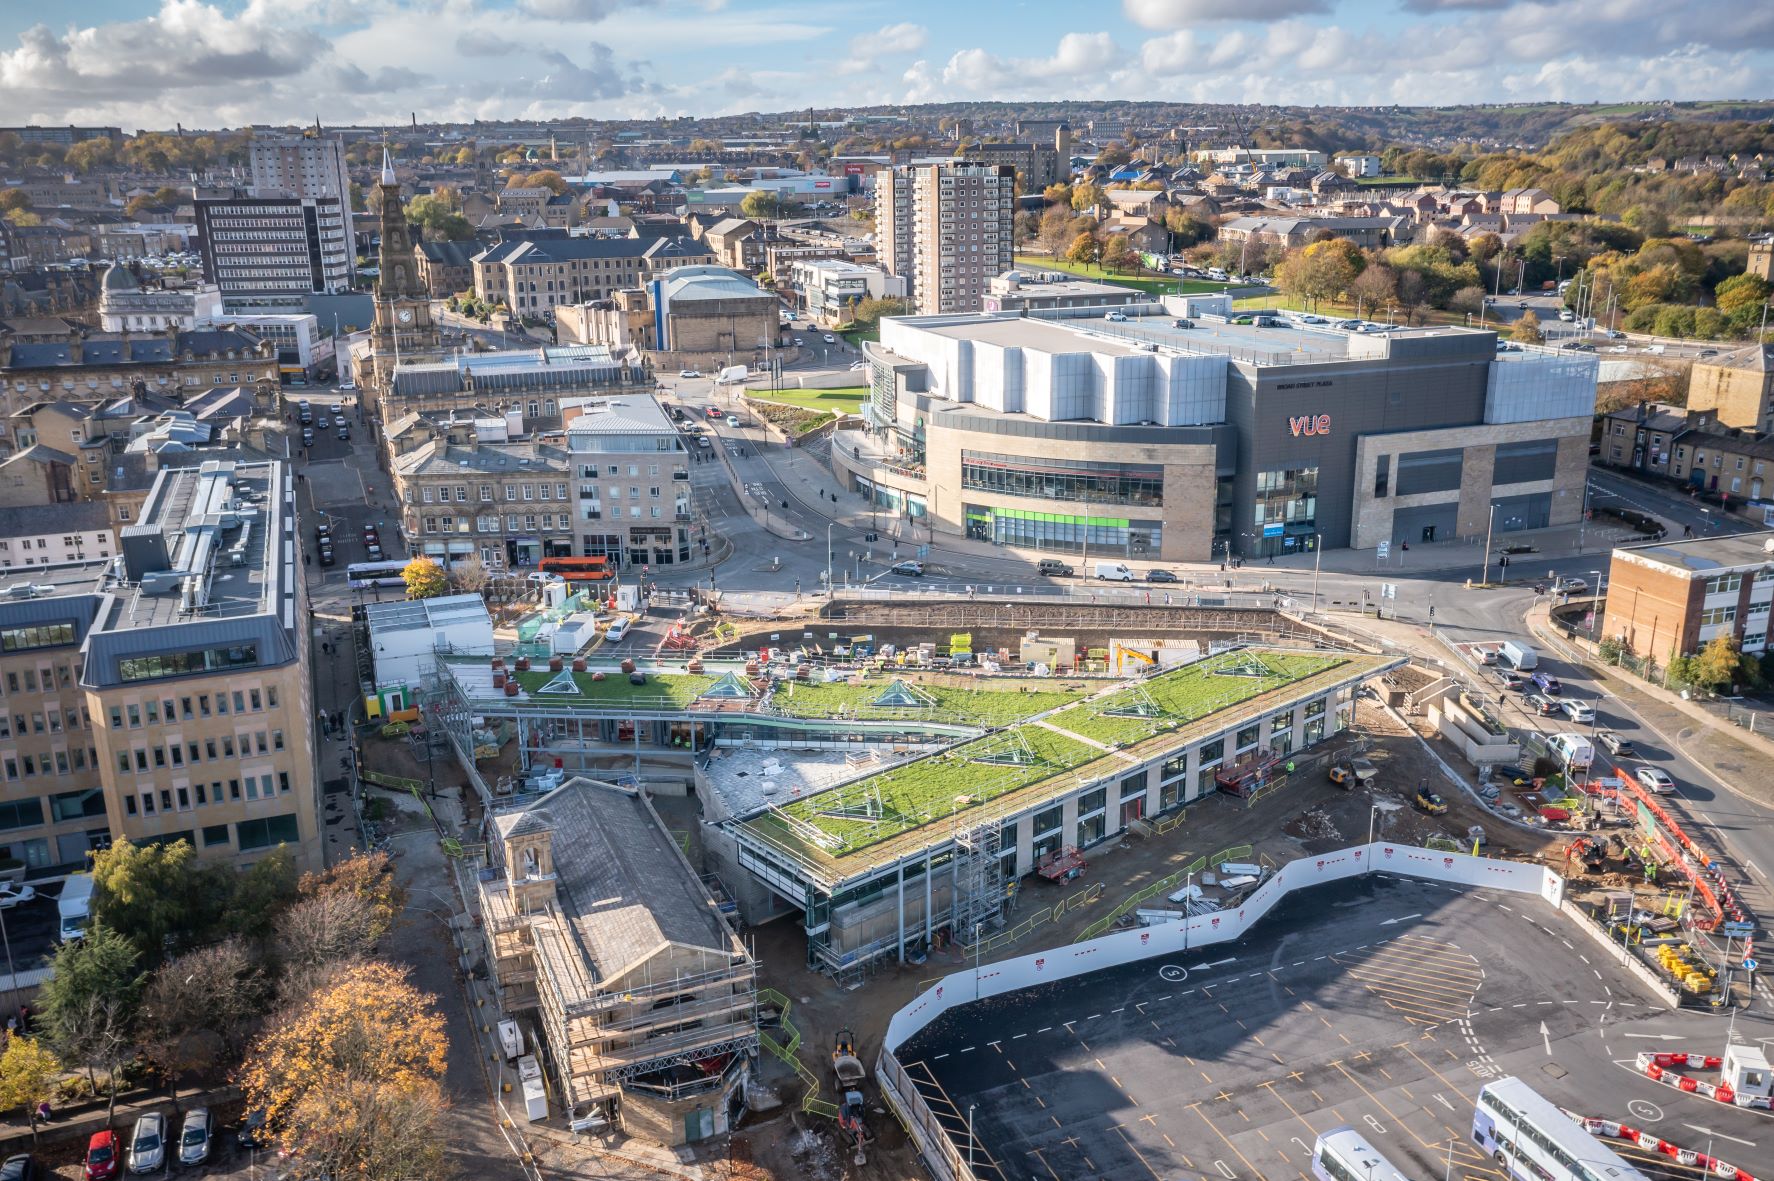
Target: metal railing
784, 1052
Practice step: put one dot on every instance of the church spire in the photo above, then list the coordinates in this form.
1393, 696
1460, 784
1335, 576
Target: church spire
387, 166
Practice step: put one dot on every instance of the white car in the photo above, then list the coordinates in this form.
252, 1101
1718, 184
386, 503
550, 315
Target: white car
1651, 779
1618, 348
689, 373
147, 1145
1577, 711
830, 339
12, 895
858, 365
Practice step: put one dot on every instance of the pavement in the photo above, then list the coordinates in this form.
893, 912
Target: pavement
1381, 1003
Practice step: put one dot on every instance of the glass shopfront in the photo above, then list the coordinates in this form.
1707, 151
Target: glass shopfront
1063, 533
1140, 484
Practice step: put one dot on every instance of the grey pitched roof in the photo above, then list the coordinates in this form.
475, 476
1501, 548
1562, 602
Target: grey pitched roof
621, 880
570, 249
32, 520
448, 254
143, 350
38, 453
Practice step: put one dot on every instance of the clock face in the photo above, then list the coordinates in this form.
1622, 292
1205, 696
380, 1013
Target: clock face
405, 315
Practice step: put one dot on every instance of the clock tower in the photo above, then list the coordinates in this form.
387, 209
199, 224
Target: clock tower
404, 331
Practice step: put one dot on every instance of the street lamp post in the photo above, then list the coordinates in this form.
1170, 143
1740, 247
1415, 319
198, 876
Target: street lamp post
1594, 606
1317, 561
828, 557
1490, 529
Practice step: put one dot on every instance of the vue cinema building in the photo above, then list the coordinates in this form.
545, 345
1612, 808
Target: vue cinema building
1067, 433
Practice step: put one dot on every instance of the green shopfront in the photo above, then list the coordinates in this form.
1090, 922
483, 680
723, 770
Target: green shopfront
1065, 533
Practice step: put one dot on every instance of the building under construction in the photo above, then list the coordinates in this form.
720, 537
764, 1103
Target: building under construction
601, 932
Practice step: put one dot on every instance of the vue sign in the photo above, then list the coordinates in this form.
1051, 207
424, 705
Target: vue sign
1309, 424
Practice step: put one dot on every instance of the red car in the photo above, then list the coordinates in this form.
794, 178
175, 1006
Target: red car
713, 412
103, 1160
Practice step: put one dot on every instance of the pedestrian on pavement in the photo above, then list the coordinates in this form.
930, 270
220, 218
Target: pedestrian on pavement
1167, 598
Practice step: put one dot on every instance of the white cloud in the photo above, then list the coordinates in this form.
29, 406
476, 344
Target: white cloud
1176, 14
1173, 53
574, 10
904, 37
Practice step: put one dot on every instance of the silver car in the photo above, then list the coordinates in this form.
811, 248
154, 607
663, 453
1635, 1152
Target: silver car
147, 1144
194, 1140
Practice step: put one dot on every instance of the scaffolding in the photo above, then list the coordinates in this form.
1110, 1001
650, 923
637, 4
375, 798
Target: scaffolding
978, 894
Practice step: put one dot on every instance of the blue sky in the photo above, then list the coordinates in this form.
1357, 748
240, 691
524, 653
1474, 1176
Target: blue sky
151, 63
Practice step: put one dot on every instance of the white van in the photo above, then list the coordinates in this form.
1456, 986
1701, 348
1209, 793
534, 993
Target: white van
1573, 751
1518, 656
1114, 572
617, 631
74, 906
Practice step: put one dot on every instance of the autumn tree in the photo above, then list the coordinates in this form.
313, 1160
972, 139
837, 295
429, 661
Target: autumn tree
1375, 289
425, 579
1055, 233
1086, 195
13, 201
1527, 330
367, 1025
548, 179
1118, 254
761, 204
28, 1069
1715, 666
870, 311
1057, 193
1084, 249
469, 575
198, 1007
363, 1128
367, 876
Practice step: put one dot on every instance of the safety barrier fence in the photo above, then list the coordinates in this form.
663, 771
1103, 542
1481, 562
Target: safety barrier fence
784, 1051
1124, 947
1040, 918
1144, 894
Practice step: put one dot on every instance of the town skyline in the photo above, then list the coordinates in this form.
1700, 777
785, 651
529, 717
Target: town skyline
145, 64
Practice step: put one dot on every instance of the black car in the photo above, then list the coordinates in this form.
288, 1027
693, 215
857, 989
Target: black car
252, 1133
1161, 576
326, 555
22, 1167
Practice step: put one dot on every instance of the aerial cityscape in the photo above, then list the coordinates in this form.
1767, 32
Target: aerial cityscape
698, 589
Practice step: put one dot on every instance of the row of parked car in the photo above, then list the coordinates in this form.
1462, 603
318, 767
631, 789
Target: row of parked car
149, 1149
312, 422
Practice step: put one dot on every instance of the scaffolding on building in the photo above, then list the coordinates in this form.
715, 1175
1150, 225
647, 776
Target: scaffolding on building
978, 880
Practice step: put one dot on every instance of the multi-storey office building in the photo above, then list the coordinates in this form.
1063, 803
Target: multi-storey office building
268, 254
165, 695
534, 275
631, 481
1671, 598
535, 383
505, 503
1068, 433
302, 166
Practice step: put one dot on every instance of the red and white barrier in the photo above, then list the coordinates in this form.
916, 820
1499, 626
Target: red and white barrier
1660, 1068
1651, 1143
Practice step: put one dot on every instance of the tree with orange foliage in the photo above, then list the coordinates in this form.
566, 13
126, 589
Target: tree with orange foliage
365, 1046
369, 876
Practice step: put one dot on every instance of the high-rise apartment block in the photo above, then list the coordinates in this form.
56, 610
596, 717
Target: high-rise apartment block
164, 695
946, 226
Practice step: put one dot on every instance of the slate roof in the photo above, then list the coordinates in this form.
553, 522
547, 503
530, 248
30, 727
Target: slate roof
203, 343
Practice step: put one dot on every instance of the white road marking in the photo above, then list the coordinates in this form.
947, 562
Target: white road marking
1704, 1131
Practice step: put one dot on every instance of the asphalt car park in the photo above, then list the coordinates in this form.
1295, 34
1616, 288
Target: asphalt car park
1379, 1002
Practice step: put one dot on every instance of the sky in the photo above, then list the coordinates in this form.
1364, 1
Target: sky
154, 63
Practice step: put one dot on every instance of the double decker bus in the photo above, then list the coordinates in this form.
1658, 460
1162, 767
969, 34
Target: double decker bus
577, 570
1532, 1139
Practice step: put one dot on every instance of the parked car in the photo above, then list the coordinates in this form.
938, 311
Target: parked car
1115, 317
103, 1161
1512, 679
347, 387
1182, 323
1540, 704
1578, 711
307, 436
251, 1133
324, 422
1654, 780
1161, 576
689, 373
1615, 745
344, 433
147, 1144
326, 555
22, 1167
909, 568
829, 338
195, 1139
12, 894
1053, 568
1547, 684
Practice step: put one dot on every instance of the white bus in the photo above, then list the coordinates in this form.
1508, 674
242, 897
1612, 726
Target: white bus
1342, 1155
1531, 1138
367, 574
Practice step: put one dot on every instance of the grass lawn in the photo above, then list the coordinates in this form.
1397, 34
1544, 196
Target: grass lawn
857, 335
916, 793
675, 689
1187, 694
986, 702
1151, 284
845, 399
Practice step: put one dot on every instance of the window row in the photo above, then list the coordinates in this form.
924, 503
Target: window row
173, 755
54, 762
53, 722
484, 492
197, 795
167, 709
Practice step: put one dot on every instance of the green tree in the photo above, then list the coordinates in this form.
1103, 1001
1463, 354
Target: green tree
91, 153
151, 894
13, 201
1057, 193
425, 579
88, 1007
257, 896
1716, 665
439, 216
1085, 195
1527, 330
761, 204
1084, 249
1741, 297
28, 1069
868, 313
548, 179
1186, 229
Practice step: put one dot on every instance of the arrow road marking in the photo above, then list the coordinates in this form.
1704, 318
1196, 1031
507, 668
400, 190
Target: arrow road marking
1401, 919
1215, 964
1546, 1036
1665, 1037
1720, 1135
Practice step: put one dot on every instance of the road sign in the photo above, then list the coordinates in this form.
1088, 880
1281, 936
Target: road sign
1388, 590
923, 551
1738, 930
1384, 550
1273, 530
1749, 965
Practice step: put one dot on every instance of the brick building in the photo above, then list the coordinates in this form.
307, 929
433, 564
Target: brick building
1669, 598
